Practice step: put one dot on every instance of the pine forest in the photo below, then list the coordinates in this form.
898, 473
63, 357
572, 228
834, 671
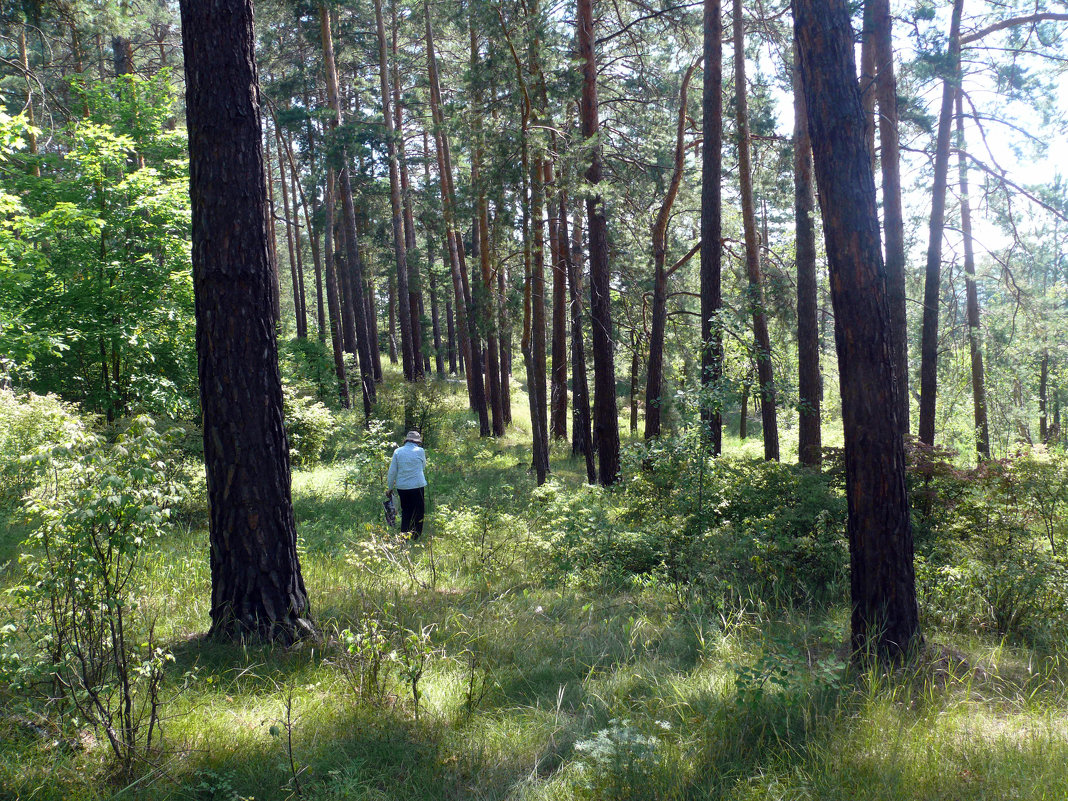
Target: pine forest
533, 399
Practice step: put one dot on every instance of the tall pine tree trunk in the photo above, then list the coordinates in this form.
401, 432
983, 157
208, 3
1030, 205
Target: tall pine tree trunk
400, 246
885, 619
893, 217
257, 587
932, 288
332, 295
605, 412
975, 345
809, 385
755, 298
711, 224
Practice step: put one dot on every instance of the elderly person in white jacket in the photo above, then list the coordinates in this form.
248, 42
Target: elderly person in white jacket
406, 474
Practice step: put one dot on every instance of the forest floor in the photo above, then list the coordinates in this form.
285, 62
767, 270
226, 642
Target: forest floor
472, 665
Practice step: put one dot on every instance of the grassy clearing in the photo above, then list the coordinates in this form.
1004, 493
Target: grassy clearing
538, 684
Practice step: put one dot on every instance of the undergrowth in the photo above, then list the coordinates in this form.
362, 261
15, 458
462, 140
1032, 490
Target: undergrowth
681, 636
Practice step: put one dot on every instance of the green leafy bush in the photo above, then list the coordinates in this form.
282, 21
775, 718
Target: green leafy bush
89, 636
27, 423
309, 425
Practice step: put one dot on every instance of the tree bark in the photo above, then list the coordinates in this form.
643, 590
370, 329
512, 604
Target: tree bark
809, 384
711, 225
352, 255
581, 436
885, 619
932, 288
605, 412
471, 350
485, 302
400, 246
765, 375
655, 373
257, 587
893, 217
975, 345
332, 295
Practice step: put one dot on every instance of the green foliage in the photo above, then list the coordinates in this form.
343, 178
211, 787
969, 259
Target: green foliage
309, 425
990, 544
308, 365
27, 423
619, 762
86, 629
101, 280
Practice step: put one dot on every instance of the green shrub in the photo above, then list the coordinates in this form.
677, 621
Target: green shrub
28, 423
308, 424
89, 638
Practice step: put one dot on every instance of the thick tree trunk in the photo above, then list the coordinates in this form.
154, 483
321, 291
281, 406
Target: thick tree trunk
885, 620
932, 288
765, 374
257, 588
400, 246
809, 384
605, 412
975, 345
893, 217
711, 225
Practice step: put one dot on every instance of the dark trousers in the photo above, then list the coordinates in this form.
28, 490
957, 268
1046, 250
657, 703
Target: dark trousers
412, 507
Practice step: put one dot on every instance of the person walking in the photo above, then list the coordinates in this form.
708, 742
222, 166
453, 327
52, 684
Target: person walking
406, 474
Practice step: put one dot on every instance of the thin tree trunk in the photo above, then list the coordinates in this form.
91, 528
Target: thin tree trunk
276, 289
391, 284
809, 385
400, 245
605, 412
932, 288
461, 285
893, 217
486, 304
352, 256
415, 294
975, 346
301, 317
711, 224
581, 436
635, 367
765, 375
1043, 397
885, 619
332, 295
558, 371
655, 373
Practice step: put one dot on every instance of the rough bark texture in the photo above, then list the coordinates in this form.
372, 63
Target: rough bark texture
765, 375
605, 413
975, 342
711, 223
885, 621
893, 218
257, 586
932, 288
809, 384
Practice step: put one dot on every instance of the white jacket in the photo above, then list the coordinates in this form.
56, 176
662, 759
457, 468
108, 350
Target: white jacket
406, 468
